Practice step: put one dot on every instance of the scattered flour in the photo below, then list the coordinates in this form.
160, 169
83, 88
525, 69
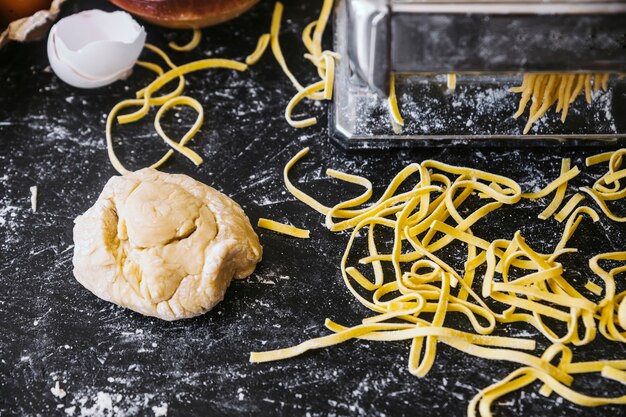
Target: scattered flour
160, 410
57, 391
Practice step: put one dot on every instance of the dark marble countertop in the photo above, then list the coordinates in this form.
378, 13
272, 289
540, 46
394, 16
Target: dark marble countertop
111, 361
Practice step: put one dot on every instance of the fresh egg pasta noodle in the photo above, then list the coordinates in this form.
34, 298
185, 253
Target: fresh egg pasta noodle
424, 283
258, 52
569, 207
562, 179
559, 195
451, 82
593, 287
324, 61
180, 147
608, 187
313, 88
275, 45
151, 66
166, 101
285, 229
175, 73
181, 80
189, 46
396, 117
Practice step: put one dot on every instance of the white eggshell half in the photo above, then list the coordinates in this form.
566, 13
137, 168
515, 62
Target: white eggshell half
74, 78
94, 48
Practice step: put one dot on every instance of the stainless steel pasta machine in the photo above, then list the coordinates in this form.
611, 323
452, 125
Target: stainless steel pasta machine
488, 44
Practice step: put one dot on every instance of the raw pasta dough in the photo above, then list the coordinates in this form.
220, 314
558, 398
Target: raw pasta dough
163, 245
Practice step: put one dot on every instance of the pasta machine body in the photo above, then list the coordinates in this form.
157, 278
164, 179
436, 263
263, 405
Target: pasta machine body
487, 45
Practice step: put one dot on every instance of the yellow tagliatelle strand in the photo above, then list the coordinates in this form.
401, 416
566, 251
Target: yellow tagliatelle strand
451, 82
283, 228
313, 88
151, 66
393, 102
593, 287
175, 73
275, 45
320, 27
134, 102
181, 80
305, 198
191, 45
264, 41
614, 374
307, 38
109, 139
422, 207
610, 186
559, 195
167, 101
562, 179
180, 147
569, 207
323, 60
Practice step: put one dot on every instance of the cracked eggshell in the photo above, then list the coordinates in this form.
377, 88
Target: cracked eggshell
30, 28
94, 48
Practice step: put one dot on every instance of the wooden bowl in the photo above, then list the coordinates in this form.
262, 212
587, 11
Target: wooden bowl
181, 14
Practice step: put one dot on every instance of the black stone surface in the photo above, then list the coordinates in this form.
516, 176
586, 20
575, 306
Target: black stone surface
112, 361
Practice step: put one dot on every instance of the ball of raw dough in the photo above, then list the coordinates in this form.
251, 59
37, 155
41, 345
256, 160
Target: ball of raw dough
163, 245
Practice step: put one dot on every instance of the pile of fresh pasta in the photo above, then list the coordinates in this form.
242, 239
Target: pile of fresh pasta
422, 207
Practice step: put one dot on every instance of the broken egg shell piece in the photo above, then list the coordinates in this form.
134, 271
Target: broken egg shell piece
94, 48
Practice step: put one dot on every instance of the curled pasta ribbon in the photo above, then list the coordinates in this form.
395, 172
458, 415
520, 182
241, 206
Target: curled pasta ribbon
176, 72
563, 179
324, 61
608, 187
151, 66
559, 195
612, 305
167, 101
189, 46
525, 376
180, 147
263, 42
569, 207
313, 88
181, 80
275, 44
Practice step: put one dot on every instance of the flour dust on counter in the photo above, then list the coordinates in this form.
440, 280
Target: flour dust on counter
51, 135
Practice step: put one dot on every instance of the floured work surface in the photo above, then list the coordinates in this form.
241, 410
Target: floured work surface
109, 360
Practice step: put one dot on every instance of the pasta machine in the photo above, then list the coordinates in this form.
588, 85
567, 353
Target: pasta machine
488, 45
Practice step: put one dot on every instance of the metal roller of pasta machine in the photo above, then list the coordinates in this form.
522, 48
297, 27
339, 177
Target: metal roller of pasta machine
488, 44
